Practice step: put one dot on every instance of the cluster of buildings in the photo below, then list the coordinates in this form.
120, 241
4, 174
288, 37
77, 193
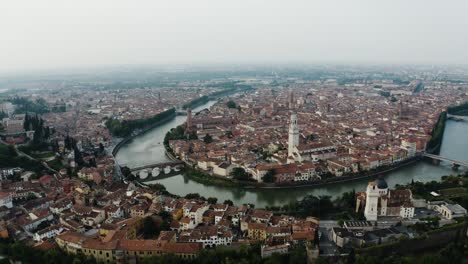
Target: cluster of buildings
378, 201
13, 129
84, 110
311, 130
364, 233
105, 221
383, 209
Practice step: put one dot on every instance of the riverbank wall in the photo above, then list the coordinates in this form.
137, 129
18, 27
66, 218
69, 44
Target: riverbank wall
341, 179
434, 144
204, 178
197, 102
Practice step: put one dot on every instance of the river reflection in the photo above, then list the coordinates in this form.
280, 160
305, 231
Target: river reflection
148, 148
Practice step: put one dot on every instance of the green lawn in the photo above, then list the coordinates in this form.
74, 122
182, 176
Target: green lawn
8, 160
42, 155
55, 164
453, 192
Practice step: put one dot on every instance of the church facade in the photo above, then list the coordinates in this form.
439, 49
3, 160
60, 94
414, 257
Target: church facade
313, 151
379, 201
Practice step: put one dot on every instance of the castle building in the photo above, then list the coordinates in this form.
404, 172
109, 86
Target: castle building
379, 201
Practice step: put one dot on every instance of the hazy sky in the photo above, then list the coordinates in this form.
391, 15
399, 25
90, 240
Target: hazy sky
61, 33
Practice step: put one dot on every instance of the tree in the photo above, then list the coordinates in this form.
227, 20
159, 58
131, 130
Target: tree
351, 257
269, 177
192, 196
101, 148
127, 173
212, 200
231, 104
208, 139
240, 174
314, 206
149, 229
193, 136
12, 151
166, 218
78, 156
311, 137
340, 222
228, 202
92, 163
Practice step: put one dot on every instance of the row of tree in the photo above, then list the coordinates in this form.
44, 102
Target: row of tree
153, 225
197, 101
433, 145
35, 123
244, 255
24, 105
459, 110
20, 252
125, 128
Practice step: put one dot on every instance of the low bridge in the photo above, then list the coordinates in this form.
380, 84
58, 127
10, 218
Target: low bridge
161, 166
183, 112
457, 118
456, 163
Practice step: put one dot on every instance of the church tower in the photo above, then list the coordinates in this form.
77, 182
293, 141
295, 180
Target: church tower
293, 139
188, 124
400, 109
291, 99
376, 190
372, 202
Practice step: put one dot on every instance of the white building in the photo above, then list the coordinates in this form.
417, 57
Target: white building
450, 211
47, 233
209, 236
410, 146
60, 206
380, 201
223, 169
195, 212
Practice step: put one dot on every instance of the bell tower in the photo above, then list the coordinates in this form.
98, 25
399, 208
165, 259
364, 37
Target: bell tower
293, 135
188, 124
372, 202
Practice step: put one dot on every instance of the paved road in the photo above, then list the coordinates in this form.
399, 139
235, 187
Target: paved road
326, 245
328, 224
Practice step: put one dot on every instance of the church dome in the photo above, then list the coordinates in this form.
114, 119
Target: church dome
381, 183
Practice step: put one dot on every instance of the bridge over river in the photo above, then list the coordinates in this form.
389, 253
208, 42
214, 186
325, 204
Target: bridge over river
163, 165
455, 163
158, 170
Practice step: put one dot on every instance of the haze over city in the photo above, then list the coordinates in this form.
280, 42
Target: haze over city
65, 34
218, 132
